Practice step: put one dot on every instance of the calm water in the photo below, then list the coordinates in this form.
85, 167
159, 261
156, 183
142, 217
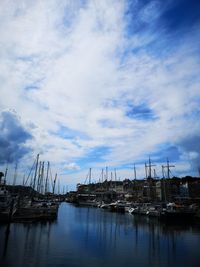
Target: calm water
94, 237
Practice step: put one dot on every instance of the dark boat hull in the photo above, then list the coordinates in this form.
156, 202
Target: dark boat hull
177, 216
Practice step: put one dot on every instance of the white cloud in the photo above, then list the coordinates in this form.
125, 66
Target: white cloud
71, 166
193, 154
151, 11
61, 62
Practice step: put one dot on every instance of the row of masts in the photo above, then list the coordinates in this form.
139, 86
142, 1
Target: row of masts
148, 169
149, 172
104, 175
39, 178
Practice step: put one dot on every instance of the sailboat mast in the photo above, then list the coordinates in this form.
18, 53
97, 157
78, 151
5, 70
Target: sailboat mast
168, 166
106, 173
163, 173
148, 169
54, 183
23, 183
58, 187
102, 175
39, 176
36, 169
90, 174
134, 172
42, 179
15, 174
47, 177
145, 169
115, 175
6, 171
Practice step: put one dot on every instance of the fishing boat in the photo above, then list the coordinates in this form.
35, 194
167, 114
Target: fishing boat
104, 205
6, 204
44, 210
118, 206
174, 212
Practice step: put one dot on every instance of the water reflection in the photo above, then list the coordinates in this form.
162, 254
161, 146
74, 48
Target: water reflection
95, 237
7, 231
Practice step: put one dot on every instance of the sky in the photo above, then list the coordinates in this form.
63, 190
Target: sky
90, 84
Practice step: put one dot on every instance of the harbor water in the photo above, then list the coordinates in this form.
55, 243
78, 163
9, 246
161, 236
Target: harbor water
92, 237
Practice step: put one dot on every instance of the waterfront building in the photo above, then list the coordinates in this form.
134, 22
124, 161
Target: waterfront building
144, 190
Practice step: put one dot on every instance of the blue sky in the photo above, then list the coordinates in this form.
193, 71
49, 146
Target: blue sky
100, 83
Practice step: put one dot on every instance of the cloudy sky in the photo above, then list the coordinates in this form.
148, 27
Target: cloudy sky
100, 83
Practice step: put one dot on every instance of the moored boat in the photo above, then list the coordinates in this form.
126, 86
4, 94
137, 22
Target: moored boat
175, 212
